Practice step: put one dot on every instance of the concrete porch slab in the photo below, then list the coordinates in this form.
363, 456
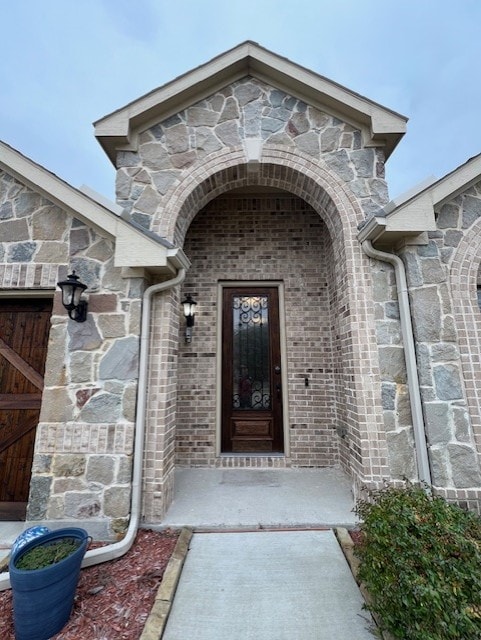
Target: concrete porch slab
256, 498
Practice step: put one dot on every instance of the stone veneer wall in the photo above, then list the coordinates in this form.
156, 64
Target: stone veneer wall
246, 110
274, 237
82, 465
447, 326
198, 154
395, 393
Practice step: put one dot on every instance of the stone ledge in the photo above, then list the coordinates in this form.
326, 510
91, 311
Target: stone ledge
347, 546
155, 624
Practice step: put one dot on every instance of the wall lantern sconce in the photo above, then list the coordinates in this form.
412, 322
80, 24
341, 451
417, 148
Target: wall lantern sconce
189, 305
72, 290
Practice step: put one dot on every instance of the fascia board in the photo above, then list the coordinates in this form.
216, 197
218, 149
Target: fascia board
329, 93
418, 213
372, 230
118, 129
457, 181
406, 222
132, 247
138, 250
116, 122
56, 190
409, 195
178, 259
377, 232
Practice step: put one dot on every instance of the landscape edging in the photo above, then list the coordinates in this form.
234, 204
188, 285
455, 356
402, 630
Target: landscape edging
347, 545
155, 623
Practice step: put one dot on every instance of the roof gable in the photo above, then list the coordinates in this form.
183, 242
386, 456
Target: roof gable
134, 246
380, 126
417, 213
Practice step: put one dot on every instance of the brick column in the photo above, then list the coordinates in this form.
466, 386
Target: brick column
161, 406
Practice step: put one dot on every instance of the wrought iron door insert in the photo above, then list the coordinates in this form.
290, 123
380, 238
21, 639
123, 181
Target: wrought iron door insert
252, 390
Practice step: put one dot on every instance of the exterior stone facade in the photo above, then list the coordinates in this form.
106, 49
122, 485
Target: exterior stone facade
247, 110
255, 183
395, 393
447, 337
446, 326
83, 451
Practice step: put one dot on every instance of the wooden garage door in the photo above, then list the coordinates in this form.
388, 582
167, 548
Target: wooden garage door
24, 328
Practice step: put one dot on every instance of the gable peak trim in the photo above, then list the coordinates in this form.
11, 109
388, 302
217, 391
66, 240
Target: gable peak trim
381, 126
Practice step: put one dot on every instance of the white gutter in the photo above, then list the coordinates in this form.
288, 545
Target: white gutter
118, 549
424, 471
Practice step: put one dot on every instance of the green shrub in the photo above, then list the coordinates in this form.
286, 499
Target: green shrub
420, 559
44, 555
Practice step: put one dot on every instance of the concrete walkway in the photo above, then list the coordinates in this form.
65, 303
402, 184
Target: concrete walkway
261, 585
253, 498
268, 585
9, 531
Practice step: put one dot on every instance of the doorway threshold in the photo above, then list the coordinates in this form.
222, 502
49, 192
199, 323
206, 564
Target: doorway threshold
252, 455
252, 461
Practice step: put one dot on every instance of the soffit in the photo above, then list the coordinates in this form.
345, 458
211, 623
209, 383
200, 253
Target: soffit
380, 126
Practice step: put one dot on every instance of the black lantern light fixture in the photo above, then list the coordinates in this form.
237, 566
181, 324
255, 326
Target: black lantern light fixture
189, 305
72, 290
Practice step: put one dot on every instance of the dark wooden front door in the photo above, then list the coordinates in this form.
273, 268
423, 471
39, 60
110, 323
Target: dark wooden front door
24, 329
251, 371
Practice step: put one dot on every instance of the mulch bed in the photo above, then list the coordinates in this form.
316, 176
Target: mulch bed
113, 599
356, 536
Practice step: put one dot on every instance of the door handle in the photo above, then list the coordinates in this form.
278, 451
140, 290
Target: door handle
278, 389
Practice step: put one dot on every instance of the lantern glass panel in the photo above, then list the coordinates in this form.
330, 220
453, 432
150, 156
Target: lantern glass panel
77, 292
67, 295
189, 308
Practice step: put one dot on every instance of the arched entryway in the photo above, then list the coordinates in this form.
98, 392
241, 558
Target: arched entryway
274, 226
259, 377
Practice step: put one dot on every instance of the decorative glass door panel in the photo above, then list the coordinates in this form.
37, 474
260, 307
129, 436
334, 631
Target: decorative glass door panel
252, 391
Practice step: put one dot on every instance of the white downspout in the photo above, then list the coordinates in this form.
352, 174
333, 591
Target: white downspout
424, 471
117, 549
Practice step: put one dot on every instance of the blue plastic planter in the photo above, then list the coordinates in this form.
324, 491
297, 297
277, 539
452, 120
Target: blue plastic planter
43, 598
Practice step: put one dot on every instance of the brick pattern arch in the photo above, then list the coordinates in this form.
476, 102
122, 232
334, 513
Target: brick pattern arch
358, 381
280, 168
463, 280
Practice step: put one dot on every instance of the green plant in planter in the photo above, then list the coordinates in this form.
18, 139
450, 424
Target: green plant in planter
420, 559
45, 555
44, 573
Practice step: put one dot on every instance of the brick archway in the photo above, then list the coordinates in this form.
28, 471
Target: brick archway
329, 196
297, 173
463, 279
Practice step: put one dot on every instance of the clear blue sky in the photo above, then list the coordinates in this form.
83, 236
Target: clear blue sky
67, 63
